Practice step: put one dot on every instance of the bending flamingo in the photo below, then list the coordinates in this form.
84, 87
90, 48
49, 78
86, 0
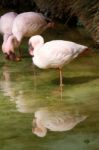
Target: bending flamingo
25, 25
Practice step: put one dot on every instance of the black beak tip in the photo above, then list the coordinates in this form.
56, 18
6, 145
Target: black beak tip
12, 56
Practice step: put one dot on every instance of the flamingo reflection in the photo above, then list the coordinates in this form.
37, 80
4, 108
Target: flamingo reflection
55, 120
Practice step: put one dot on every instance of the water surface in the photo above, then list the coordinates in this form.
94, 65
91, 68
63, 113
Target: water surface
25, 88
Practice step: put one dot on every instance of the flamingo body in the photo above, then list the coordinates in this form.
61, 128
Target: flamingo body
56, 54
28, 24
53, 54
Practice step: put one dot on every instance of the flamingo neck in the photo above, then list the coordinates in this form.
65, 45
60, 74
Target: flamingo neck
6, 36
38, 46
39, 130
36, 43
19, 38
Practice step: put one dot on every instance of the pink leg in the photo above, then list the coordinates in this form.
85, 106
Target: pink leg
61, 78
61, 83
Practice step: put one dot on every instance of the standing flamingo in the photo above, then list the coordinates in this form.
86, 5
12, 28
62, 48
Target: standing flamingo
53, 54
6, 23
25, 25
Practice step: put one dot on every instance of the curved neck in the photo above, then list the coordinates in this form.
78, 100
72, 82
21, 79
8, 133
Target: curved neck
37, 42
6, 36
38, 46
39, 130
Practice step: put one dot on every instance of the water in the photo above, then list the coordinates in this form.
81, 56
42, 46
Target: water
24, 89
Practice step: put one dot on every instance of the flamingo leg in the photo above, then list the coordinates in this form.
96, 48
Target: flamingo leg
61, 83
61, 78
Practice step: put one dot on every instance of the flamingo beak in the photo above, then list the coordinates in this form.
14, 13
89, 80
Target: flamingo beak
52, 24
31, 49
12, 56
87, 51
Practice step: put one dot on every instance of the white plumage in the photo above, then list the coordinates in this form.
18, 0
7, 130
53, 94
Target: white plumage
53, 54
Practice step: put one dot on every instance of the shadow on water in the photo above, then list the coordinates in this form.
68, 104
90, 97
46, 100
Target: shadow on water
75, 80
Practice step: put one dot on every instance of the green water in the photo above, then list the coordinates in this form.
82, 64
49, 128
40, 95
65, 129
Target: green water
24, 89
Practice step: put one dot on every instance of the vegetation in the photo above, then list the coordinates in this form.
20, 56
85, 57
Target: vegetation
87, 11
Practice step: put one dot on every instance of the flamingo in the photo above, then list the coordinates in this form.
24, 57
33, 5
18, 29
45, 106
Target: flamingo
46, 119
25, 25
53, 54
6, 23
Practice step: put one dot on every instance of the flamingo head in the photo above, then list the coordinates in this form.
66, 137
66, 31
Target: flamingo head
51, 24
38, 130
8, 48
48, 19
35, 43
87, 51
